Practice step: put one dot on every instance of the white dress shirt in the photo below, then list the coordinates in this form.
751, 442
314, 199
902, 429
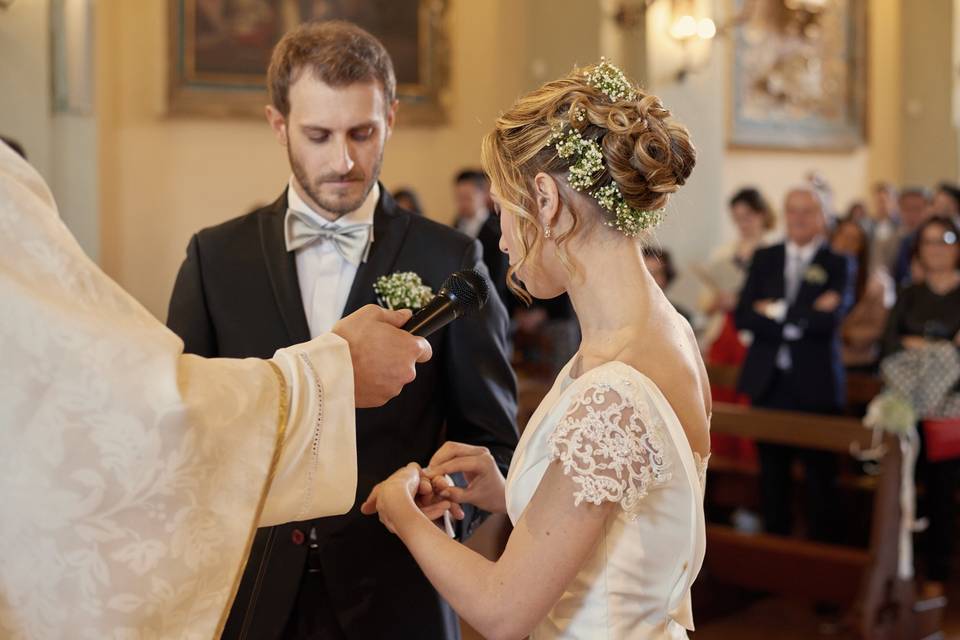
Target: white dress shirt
325, 276
795, 265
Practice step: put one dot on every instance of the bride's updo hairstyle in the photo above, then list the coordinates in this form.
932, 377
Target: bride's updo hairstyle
602, 136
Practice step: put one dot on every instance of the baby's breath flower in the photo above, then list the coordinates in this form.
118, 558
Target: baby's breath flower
611, 81
402, 290
585, 156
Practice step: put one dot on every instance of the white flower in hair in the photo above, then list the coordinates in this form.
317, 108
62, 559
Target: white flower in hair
610, 80
585, 156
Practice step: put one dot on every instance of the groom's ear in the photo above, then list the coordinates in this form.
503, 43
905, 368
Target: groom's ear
547, 195
278, 123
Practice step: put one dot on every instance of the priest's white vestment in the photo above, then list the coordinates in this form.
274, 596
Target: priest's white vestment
132, 476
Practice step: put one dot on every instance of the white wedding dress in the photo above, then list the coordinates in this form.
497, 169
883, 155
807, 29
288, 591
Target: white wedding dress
614, 432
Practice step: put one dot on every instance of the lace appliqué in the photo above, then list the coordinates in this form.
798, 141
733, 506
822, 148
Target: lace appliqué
702, 464
611, 445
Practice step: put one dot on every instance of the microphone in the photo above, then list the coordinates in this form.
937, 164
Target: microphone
462, 293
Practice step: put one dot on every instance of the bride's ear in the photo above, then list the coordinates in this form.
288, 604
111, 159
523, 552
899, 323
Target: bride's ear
547, 194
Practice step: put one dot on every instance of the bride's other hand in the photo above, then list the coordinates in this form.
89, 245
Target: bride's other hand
432, 504
485, 483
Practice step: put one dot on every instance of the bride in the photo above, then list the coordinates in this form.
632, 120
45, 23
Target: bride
606, 487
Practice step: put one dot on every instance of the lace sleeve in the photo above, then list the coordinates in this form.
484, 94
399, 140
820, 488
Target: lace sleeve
611, 444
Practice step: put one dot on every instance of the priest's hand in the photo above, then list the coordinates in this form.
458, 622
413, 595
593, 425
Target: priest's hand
384, 356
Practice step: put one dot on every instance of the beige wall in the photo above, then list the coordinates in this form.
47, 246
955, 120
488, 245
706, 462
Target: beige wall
929, 137
24, 80
62, 147
885, 81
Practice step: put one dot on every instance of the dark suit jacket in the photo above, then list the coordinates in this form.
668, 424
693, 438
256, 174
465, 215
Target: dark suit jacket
815, 356
237, 295
496, 260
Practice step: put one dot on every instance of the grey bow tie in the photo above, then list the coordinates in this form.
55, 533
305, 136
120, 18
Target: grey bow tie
352, 241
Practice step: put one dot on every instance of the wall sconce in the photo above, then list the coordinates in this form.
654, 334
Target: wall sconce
687, 28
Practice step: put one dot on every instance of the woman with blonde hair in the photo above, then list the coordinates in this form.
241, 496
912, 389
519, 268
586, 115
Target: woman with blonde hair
606, 486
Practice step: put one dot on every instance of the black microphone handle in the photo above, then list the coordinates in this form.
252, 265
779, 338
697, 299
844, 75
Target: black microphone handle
437, 314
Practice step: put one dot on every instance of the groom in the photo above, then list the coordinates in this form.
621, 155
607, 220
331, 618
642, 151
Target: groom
287, 272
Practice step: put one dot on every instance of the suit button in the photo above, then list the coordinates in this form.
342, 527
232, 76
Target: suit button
297, 537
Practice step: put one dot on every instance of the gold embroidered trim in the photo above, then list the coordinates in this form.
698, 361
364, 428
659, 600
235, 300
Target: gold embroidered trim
282, 415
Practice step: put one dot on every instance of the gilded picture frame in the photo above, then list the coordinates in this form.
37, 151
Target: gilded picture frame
219, 51
798, 79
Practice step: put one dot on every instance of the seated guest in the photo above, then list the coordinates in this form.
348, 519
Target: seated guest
885, 225
471, 194
793, 303
407, 199
660, 264
946, 202
545, 333
723, 277
930, 311
857, 211
874, 294
725, 272
915, 208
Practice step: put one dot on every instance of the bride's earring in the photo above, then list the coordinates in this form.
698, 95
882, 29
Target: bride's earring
546, 232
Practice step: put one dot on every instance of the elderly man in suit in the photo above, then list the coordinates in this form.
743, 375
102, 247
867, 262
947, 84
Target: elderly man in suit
793, 302
290, 270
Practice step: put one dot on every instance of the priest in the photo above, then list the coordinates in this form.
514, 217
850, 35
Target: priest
134, 476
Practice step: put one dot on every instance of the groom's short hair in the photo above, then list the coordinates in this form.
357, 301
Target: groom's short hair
336, 52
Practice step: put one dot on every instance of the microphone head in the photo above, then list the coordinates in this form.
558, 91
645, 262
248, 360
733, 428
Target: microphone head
469, 290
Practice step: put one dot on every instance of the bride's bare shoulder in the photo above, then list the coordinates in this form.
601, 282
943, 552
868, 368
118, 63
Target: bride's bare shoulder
672, 361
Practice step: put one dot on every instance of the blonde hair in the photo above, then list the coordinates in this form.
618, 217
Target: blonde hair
646, 154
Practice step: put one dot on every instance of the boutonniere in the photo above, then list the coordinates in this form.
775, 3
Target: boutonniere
815, 274
402, 290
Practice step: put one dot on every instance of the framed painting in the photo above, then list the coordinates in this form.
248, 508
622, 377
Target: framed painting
799, 75
220, 50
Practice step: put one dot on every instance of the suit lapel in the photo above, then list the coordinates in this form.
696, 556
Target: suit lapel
778, 273
390, 226
282, 268
808, 289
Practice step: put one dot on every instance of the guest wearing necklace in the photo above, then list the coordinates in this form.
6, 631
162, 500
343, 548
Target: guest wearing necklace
927, 312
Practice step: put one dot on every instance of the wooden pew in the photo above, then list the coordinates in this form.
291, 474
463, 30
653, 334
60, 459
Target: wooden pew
880, 605
861, 387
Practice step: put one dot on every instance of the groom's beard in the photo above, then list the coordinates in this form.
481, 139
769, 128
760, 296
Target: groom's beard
337, 204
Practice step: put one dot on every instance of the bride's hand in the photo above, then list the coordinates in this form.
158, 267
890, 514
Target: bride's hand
431, 504
393, 498
403, 494
485, 483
